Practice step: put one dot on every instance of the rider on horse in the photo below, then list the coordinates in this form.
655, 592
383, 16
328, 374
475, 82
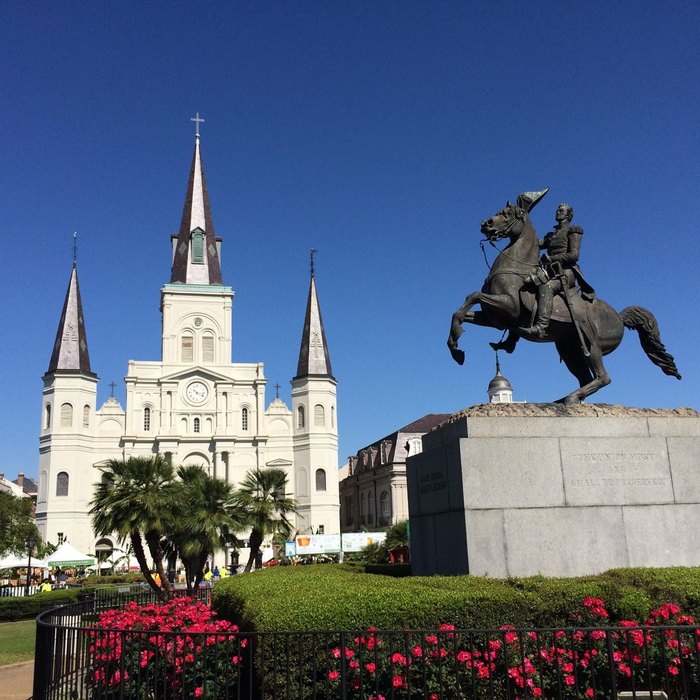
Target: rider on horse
558, 269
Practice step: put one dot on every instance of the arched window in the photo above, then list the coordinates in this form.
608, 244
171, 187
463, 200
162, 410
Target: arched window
196, 425
319, 416
187, 348
62, 484
47, 417
370, 510
363, 508
66, 415
332, 416
207, 348
301, 422
147, 419
384, 508
320, 479
244, 418
86, 416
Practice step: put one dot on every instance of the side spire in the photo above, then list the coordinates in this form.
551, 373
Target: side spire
70, 351
314, 359
196, 258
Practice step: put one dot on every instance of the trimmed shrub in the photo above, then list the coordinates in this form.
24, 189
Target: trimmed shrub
395, 570
27, 608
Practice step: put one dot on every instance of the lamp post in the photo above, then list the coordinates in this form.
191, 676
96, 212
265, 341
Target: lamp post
31, 543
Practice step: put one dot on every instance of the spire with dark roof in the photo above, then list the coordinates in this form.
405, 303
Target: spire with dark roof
314, 359
196, 259
70, 351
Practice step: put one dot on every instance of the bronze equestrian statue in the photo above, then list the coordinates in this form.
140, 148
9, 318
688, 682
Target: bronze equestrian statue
583, 327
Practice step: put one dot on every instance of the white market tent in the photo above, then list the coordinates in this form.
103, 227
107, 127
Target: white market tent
12, 560
68, 555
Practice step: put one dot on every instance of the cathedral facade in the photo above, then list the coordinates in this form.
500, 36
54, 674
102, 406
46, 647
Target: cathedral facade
194, 405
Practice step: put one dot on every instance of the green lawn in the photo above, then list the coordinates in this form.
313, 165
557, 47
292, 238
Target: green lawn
17, 641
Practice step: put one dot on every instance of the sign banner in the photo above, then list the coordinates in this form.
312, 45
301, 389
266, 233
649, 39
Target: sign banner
290, 549
356, 541
317, 544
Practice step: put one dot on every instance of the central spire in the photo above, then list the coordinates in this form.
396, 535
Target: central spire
196, 256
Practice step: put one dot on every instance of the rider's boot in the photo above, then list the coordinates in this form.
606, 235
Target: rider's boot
545, 303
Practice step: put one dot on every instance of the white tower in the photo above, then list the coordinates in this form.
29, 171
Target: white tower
315, 426
67, 437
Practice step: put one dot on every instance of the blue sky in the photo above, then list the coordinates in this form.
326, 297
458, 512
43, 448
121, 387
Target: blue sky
380, 133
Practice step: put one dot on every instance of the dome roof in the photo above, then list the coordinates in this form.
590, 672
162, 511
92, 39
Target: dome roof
499, 383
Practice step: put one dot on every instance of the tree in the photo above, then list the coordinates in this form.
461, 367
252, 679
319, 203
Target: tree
207, 518
16, 524
261, 496
136, 500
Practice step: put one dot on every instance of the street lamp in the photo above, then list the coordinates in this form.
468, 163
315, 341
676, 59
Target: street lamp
31, 543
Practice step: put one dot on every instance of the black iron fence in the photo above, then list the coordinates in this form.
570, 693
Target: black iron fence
75, 659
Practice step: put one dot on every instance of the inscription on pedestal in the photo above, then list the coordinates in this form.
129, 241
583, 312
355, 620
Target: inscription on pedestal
616, 477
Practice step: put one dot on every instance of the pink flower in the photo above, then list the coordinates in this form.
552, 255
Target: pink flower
198, 691
333, 675
397, 681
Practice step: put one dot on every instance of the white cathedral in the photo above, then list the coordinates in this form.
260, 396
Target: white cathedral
194, 405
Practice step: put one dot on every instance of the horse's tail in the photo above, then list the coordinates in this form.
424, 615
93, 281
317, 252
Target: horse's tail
641, 320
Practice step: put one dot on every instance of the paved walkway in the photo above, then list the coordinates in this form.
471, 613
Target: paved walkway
16, 681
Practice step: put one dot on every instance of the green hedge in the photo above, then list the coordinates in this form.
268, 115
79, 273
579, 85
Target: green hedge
27, 608
345, 597
326, 597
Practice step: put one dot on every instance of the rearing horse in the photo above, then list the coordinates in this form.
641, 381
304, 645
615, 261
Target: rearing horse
507, 301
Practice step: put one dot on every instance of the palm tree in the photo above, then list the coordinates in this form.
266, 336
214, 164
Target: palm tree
136, 499
206, 520
261, 496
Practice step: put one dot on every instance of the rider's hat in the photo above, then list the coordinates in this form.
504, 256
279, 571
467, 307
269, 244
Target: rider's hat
528, 200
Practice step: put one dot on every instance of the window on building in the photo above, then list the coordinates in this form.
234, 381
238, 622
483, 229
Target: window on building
59, 538
196, 425
319, 416
86, 416
370, 510
320, 479
187, 349
146, 419
321, 530
349, 516
332, 416
62, 484
300, 417
414, 446
363, 508
384, 451
198, 246
208, 348
244, 418
47, 417
66, 415
384, 509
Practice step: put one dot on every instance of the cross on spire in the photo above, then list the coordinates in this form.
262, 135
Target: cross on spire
75, 248
112, 385
196, 119
277, 390
313, 251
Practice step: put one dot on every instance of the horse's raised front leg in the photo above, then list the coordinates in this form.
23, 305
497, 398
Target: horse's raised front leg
502, 302
456, 330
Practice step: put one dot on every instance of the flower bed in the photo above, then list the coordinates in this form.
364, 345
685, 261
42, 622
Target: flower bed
166, 650
591, 660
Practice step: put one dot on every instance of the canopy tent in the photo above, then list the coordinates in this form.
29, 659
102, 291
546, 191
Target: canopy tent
12, 560
68, 555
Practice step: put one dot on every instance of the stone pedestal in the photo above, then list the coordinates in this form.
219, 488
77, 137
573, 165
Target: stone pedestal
524, 489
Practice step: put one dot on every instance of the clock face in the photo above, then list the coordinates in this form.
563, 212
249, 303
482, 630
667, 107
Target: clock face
197, 392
